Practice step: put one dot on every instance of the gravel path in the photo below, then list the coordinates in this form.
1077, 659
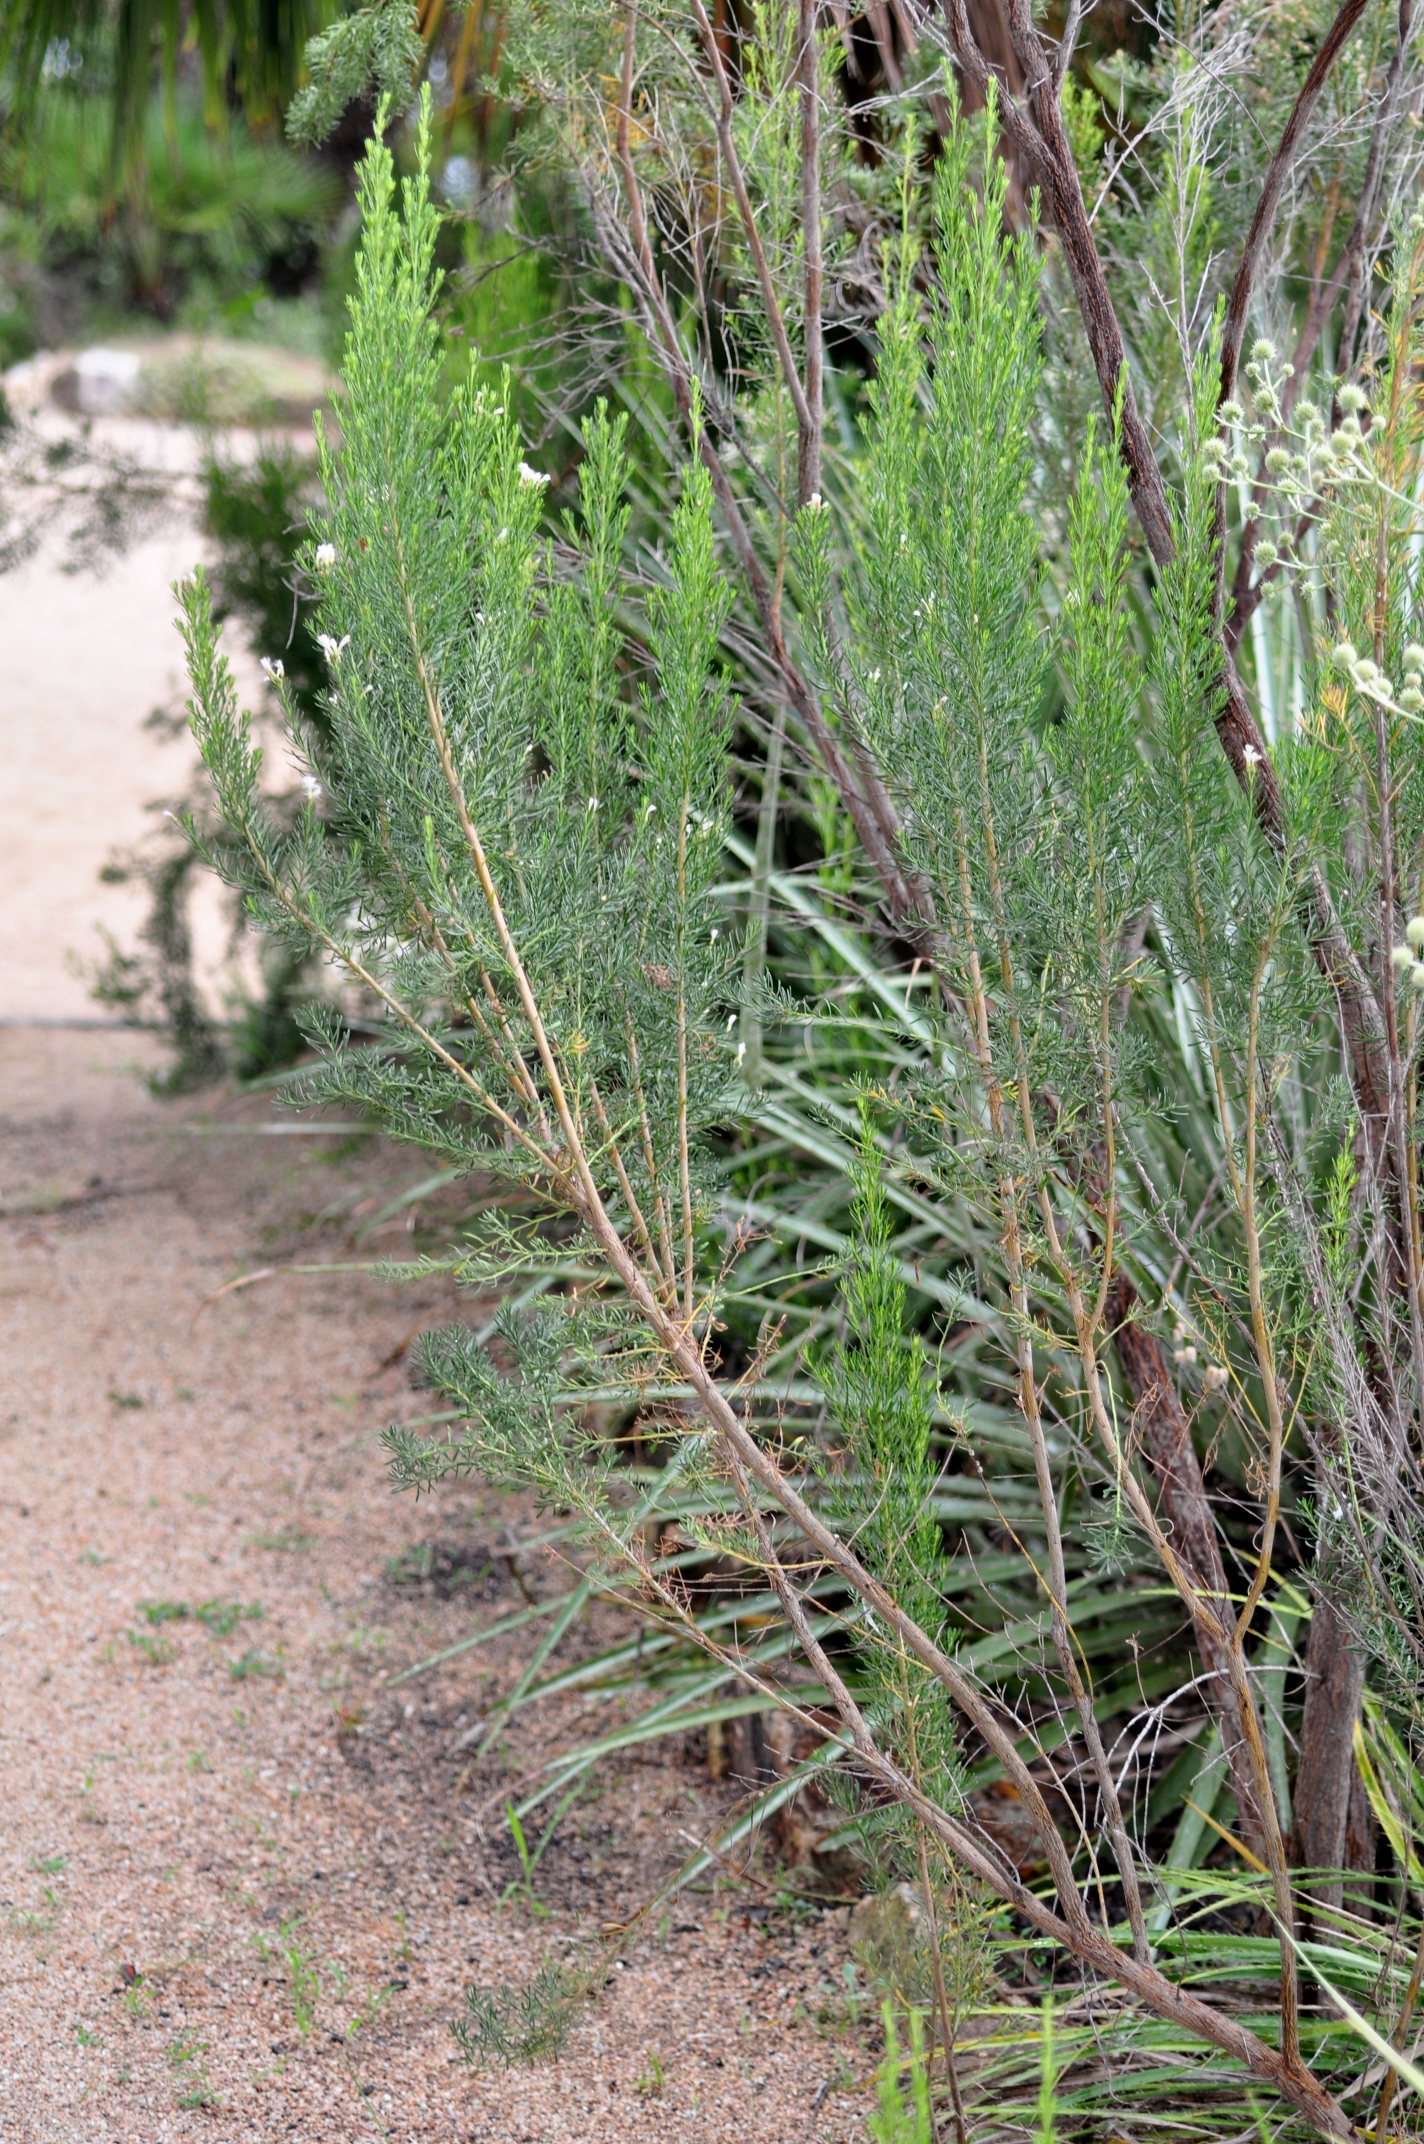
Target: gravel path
243, 1880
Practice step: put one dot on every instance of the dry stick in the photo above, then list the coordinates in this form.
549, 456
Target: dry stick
723, 122
611, 1146
874, 815
808, 474
1355, 250
1246, 594
1234, 329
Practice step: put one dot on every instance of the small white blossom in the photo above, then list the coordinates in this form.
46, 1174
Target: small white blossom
330, 648
530, 476
593, 803
273, 669
741, 1051
815, 502
311, 788
325, 555
1251, 756
1216, 1377
1401, 958
1415, 932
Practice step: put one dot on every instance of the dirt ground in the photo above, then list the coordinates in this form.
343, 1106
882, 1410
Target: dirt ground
243, 1879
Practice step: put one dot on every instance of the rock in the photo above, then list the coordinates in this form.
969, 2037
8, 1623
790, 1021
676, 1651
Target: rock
100, 383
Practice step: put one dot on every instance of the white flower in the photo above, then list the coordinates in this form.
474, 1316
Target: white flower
1186, 1356
326, 555
273, 669
1415, 932
1251, 756
593, 803
815, 502
530, 476
1216, 1377
741, 1051
330, 648
1401, 958
311, 788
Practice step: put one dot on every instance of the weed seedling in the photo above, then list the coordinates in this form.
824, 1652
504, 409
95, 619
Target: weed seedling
253, 1662
127, 1400
86, 2038
899, 2122
302, 1968
156, 1651
288, 1541
164, 1611
223, 1617
529, 1859
651, 2082
50, 1864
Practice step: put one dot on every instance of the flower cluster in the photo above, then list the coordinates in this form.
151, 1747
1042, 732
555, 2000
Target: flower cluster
1302, 457
1372, 684
1405, 958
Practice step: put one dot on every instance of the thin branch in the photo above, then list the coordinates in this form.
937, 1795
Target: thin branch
808, 484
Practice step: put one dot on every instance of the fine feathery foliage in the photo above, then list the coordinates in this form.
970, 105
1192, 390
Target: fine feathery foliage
521, 797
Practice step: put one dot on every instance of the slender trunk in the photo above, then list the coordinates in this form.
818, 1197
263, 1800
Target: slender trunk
1165, 1437
1328, 1780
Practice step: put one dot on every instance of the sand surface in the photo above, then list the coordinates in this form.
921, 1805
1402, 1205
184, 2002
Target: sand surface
244, 1878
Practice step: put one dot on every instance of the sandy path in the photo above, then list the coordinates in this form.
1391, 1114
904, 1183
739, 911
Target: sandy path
85, 658
184, 1804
